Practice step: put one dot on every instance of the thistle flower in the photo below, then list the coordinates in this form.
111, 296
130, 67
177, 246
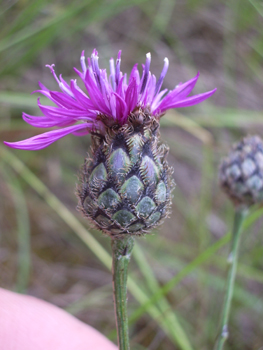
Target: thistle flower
126, 183
241, 172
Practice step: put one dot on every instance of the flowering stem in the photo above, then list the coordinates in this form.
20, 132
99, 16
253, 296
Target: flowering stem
121, 253
240, 215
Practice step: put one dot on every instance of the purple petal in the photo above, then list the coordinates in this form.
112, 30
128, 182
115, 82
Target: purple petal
135, 74
146, 72
65, 86
45, 122
47, 94
189, 101
118, 65
42, 86
131, 96
156, 101
81, 96
65, 100
121, 108
112, 74
163, 74
179, 93
96, 68
43, 140
120, 90
146, 90
95, 94
56, 112
150, 90
82, 75
112, 105
83, 62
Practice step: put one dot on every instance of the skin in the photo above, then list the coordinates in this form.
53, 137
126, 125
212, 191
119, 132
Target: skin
27, 323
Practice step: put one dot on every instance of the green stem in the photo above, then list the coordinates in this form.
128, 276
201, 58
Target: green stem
240, 215
121, 254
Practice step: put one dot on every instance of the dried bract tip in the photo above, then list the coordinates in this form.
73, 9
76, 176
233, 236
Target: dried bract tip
241, 172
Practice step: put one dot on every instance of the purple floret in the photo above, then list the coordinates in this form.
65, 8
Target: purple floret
112, 98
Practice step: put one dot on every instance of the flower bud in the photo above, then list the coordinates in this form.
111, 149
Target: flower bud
241, 172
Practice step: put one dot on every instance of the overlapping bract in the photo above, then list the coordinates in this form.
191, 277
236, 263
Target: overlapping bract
113, 97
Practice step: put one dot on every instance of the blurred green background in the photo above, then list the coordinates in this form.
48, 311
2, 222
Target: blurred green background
49, 251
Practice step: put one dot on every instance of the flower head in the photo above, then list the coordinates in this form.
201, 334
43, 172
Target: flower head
241, 172
109, 100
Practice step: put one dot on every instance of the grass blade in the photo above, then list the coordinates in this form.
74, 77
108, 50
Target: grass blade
23, 231
170, 317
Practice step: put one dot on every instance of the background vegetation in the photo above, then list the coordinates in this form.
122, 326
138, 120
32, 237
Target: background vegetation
177, 274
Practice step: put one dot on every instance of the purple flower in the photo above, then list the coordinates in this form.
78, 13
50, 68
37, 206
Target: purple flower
109, 100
